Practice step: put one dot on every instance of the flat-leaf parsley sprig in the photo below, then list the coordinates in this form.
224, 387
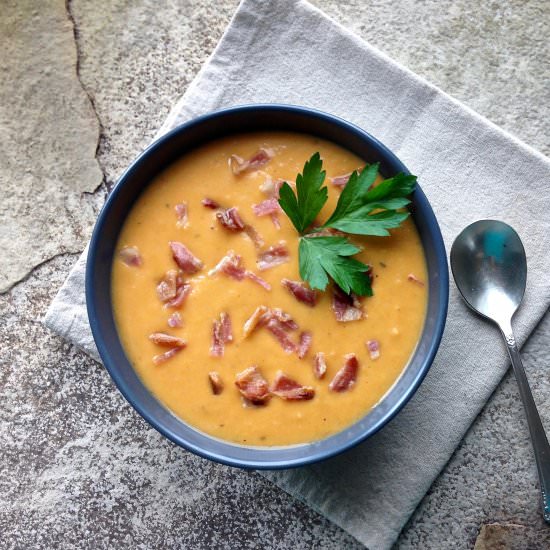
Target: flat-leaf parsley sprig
361, 210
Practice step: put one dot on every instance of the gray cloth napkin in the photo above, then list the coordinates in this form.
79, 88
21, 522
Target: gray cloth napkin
289, 52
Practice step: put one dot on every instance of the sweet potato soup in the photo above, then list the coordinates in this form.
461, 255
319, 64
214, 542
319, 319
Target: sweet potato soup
215, 318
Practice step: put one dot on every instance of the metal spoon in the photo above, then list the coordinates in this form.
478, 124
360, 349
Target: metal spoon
490, 271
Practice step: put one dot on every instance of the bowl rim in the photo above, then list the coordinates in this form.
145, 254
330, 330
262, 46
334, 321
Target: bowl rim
272, 464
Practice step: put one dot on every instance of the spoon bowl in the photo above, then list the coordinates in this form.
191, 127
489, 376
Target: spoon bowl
490, 269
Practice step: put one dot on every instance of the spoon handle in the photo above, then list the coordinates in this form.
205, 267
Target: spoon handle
538, 435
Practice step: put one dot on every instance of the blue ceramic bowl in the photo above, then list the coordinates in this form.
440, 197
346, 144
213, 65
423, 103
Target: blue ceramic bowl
102, 248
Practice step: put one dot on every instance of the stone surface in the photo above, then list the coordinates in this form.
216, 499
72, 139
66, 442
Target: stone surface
505, 537
78, 467
49, 138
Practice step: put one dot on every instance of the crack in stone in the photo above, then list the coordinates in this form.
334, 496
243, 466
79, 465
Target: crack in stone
76, 34
37, 267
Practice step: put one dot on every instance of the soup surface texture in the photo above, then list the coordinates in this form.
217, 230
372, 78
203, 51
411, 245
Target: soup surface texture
393, 318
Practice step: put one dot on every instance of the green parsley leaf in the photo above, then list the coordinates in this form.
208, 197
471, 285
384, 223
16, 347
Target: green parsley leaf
321, 257
357, 202
311, 196
361, 210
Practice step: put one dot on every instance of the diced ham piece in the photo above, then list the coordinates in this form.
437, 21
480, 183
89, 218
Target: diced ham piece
216, 382
230, 219
341, 181
222, 333
252, 385
325, 232
301, 292
167, 288
345, 378
163, 357
130, 256
175, 320
271, 187
254, 236
283, 318
182, 215
275, 219
273, 256
257, 279
263, 315
319, 365
414, 279
167, 340
304, 344
183, 290
280, 332
267, 207
374, 348
253, 321
210, 203
226, 327
346, 307
259, 159
185, 259
288, 389
231, 265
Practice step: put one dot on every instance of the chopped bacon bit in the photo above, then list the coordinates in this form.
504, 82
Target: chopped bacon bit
279, 330
273, 256
259, 159
252, 322
304, 344
252, 385
264, 208
374, 348
325, 232
341, 181
271, 187
226, 327
253, 277
216, 382
275, 219
163, 357
222, 333
345, 378
167, 340
346, 307
288, 389
254, 236
319, 365
183, 290
210, 203
167, 288
261, 317
414, 279
301, 292
130, 256
230, 265
230, 219
181, 213
175, 320
185, 259
270, 207
283, 318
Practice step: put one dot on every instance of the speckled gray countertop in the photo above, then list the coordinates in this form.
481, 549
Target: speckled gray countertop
83, 88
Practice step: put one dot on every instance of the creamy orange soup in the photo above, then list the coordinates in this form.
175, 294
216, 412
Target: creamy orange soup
393, 317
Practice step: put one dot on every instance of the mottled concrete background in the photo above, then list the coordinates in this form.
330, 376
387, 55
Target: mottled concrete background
83, 88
